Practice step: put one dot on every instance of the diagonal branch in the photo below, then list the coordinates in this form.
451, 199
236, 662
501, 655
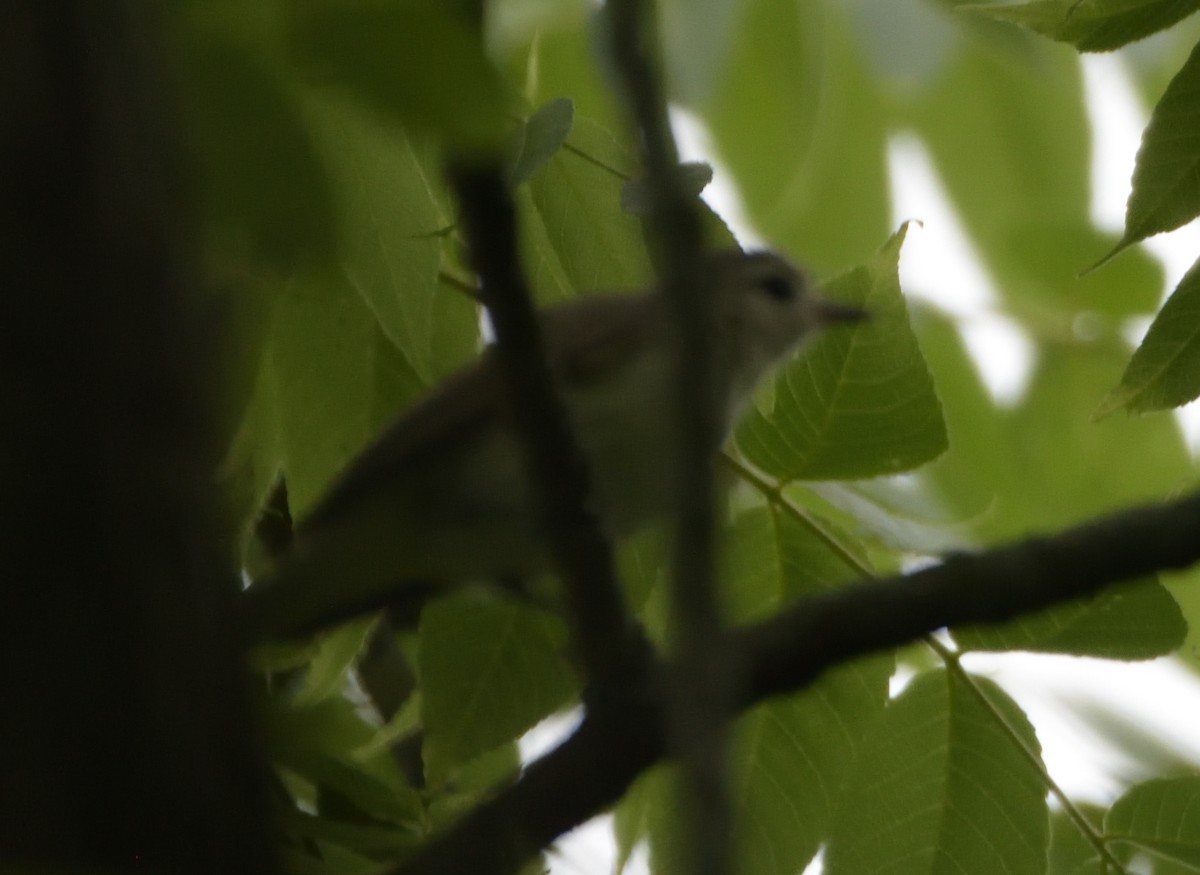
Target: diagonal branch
791, 649
594, 768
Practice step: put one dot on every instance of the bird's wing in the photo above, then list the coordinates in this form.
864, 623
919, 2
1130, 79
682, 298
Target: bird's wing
586, 338
465, 403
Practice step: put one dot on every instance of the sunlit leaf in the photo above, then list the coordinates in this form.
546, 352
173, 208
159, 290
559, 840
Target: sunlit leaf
632, 815
889, 33
1093, 25
1050, 257
789, 756
1165, 370
858, 402
900, 515
941, 785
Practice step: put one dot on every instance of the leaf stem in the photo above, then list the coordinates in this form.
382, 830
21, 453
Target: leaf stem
575, 150
953, 664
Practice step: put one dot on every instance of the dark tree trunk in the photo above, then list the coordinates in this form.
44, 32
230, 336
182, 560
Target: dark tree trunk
124, 726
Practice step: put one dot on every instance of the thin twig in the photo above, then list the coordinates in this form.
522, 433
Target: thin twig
703, 678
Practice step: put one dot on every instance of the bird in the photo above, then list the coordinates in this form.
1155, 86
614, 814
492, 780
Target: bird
442, 495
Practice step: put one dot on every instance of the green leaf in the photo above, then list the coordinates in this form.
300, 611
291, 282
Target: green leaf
857, 402
1006, 127
540, 137
941, 786
372, 841
895, 512
418, 62
455, 795
1166, 179
335, 656
789, 760
329, 745
800, 123
1045, 272
1137, 621
965, 478
329, 379
1093, 25
1044, 464
575, 235
771, 556
904, 43
790, 756
1184, 586
1162, 817
489, 671
391, 205
631, 819
1063, 467
1165, 370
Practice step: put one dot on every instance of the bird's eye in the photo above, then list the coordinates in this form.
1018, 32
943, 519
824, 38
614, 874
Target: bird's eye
777, 287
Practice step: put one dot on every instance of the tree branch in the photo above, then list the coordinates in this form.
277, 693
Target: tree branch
791, 649
593, 769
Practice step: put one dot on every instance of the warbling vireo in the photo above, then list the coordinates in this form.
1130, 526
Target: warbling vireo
442, 495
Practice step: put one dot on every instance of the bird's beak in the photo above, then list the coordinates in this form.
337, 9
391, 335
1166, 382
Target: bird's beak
825, 312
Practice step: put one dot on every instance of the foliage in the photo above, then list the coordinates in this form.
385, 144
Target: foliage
317, 134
